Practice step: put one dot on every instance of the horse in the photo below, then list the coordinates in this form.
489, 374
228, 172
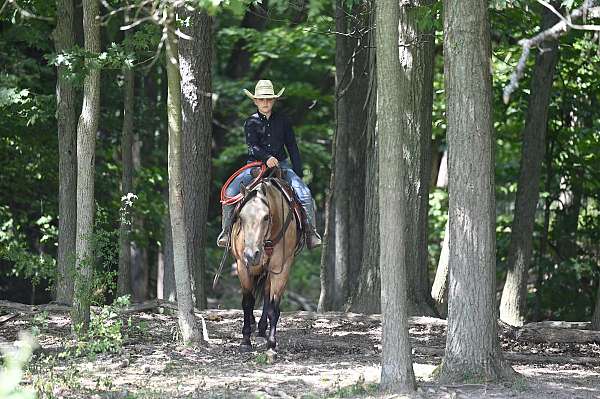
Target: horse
264, 239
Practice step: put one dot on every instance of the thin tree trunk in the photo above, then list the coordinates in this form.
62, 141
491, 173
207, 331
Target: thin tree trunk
341, 183
328, 249
66, 109
596, 315
513, 305
367, 295
195, 57
166, 275
187, 322
86, 145
347, 198
416, 87
541, 269
397, 373
472, 347
567, 219
439, 290
239, 61
124, 277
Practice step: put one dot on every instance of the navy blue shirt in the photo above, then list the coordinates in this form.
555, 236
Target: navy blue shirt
271, 137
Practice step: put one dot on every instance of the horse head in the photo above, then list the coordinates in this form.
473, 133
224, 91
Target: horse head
255, 222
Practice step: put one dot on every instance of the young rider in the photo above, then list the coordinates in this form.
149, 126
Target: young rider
268, 135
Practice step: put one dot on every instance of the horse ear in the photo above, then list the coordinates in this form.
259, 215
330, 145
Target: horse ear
243, 189
263, 189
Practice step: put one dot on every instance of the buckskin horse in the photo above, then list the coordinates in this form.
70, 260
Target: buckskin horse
265, 238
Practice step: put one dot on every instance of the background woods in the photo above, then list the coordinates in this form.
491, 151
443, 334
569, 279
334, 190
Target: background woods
120, 121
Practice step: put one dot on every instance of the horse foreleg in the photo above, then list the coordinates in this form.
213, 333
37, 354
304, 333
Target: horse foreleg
273, 315
248, 306
262, 324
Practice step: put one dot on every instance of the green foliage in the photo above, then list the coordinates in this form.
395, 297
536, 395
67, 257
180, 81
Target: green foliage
11, 371
25, 264
106, 332
358, 389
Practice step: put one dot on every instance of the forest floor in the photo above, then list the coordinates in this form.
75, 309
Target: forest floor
319, 356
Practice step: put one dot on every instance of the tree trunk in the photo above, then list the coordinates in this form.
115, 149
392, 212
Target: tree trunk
239, 62
66, 111
397, 373
86, 145
367, 295
195, 57
416, 88
347, 195
567, 219
472, 347
513, 308
124, 277
328, 249
187, 322
541, 267
165, 281
596, 315
439, 290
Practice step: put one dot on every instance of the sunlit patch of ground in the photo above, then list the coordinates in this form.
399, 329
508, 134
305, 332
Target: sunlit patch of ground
330, 355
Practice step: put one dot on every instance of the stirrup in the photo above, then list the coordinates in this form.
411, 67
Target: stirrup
313, 239
223, 239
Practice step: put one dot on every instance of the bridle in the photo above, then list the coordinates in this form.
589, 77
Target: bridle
270, 242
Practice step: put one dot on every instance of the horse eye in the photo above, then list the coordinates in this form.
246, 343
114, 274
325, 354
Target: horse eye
266, 218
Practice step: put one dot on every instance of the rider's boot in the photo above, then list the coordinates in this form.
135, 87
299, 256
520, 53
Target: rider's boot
223, 239
313, 239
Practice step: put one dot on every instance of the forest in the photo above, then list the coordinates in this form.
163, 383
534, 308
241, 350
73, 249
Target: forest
450, 147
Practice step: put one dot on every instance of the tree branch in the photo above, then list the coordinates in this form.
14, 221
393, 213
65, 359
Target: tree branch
552, 33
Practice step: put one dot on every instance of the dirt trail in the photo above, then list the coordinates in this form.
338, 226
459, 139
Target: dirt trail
319, 355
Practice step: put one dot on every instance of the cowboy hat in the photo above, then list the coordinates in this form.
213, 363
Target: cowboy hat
263, 89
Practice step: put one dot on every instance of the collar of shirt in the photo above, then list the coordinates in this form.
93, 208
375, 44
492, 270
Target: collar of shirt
264, 117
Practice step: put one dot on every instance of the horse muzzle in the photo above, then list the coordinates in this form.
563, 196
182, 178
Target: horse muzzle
251, 257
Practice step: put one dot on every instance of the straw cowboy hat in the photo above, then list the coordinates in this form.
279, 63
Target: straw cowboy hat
263, 89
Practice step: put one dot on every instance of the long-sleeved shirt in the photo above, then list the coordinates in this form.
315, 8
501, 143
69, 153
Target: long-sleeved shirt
271, 137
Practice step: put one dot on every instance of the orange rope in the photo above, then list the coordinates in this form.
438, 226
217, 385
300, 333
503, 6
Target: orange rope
225, 199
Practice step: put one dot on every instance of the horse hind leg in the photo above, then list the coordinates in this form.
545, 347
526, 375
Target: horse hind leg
248, 306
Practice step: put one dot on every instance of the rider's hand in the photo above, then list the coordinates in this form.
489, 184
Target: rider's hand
272, 162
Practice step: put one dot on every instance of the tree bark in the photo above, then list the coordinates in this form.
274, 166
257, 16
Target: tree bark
187, 322
124, 277
472, 347
66, 111
513, 307
397, 373
416, 88
239, 62
195, 57
328, 250
596, 315
165, 281
439, 290
367, 295
86, 145
348, 175
567, 219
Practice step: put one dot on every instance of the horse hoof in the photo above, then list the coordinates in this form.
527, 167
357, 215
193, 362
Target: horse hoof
260, 342
245, 348
271, 344
271, 356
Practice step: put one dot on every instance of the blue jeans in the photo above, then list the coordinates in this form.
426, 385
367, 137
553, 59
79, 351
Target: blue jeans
300, 188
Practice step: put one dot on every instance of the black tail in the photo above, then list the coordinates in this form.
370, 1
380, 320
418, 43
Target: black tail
259, 287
